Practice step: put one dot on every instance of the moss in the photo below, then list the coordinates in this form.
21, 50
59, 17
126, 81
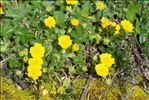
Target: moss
137, 93
95, 89
11, 91
98, 90
139, 78
48, 88
78, 86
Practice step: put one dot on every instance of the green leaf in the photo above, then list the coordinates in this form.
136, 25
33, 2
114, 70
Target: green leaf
85, 9
142, 38
131, 13
7, 29
17, 39
58, 65
137, 26
80, 30
13, 63
60, 18
133, 8
71, 70
17, 11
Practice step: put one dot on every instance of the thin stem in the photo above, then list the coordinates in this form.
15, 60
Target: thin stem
38, 91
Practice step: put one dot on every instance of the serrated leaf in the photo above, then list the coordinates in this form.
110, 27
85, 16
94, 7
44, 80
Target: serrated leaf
85, 9
60, 18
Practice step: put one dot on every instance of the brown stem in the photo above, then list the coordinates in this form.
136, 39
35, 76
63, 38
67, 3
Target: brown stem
38, 91
85, 89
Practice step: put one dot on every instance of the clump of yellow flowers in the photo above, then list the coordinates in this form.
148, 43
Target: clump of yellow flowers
100, 5
117, 27
71, 2
106, 61
35, 63
50, 22
64, 41
105, 23
127, 25
74, 22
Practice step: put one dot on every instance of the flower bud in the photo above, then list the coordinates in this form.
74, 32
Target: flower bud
95, 58
25, 59
18, 72
106, 41
68, 8
108, 81
44, 70
25, 52
84, 68
98, 38
21, 53
84, 25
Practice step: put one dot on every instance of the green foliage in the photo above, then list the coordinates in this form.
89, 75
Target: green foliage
22, 25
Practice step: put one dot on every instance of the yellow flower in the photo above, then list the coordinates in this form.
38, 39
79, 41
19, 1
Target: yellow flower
100, 5
71, 2
117, 28
127, 25
116, 32
39, 67
101, 70
50, 22
74, 22
64, 41
35, 61
61, 90
113, 24
37, 51
107, 59
1, 11
34, 72
75, 47
105, 22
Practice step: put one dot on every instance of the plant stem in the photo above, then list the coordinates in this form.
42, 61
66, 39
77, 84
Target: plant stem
38, 91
